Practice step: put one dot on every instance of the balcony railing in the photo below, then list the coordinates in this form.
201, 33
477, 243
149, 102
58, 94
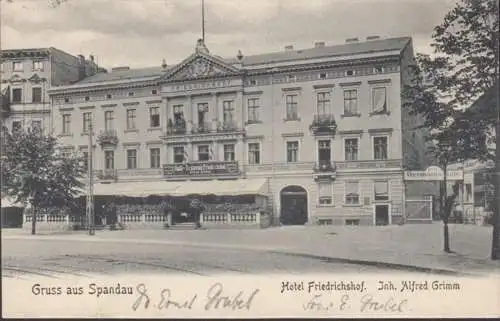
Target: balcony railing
325, 124
176, 128
201, 128
107, 137
107, 174
324, 167
227, 127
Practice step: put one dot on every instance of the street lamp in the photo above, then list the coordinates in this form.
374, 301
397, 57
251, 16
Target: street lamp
90, 186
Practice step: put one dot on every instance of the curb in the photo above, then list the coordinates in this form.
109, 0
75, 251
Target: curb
274, 250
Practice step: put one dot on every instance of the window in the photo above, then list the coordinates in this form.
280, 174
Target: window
325, 193
203, 152
229, 152
350, 72
351, 149
87, 98
108, 120
378, 70
380, 147
202, 111
291, 107
36, 124
228, 111
17, 66
17, 95
131, 115
109, 159
179, 154
292, 152
131, 158
322, 75
36, 95
468, 193
130, 94
254, 153
66, 153
66, 99
381, 191
16, 125
178, 113
351, 222
154, 157
323, 103
154, 92
154, 117
87, 121
108, 96
253, 82
350, 102
352, 193
85, 160
379, 100
2, 68
38, 65
291, 77
253, 110
324, 151
66, 123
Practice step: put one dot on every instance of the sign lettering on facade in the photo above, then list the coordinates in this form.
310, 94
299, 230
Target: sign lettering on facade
201, 85
201, 169
434, 173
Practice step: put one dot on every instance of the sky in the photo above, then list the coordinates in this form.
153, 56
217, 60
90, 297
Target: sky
141, 33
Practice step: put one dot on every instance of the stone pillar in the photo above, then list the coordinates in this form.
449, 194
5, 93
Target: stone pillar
257, 218
189, 114
239, 109
169, 219
229, 221
166, 114
214, 111
202, 217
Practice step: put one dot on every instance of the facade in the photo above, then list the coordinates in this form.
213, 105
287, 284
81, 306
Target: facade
323, 127
27, 74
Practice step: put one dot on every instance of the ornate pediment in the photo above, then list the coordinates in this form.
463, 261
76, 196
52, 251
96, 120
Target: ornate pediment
16, 79
36, 79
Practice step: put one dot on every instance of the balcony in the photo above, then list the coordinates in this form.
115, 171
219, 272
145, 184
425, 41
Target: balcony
324, 170
206, 169
323, 125
107, 137
176, 128
108, 175
201, 128
227, 127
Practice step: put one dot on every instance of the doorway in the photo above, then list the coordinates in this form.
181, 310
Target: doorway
293, 201
382, 215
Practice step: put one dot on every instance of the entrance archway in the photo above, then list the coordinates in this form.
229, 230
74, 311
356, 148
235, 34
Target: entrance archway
293, 201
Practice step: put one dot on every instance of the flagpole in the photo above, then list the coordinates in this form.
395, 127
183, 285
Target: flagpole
203, 20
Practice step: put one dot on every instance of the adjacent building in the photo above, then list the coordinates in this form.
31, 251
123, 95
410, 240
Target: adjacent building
323, 128
27, 74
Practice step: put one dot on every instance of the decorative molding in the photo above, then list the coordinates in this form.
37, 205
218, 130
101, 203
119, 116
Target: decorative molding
66, 108
379, 81
350, 84
86, 107
131, 144
158, 101
287, 135
131, 103
380, 130
29, 112
256, 92
109, 105
255, 137
154, 142
351, 132
323, 86
291, 89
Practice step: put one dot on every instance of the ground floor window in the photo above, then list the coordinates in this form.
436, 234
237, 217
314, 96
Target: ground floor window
325, 193
352, 192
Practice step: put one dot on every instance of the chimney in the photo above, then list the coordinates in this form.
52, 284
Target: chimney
124, 68
319, 44
372, 38
91, 57
82, 72
164, 63
351, 40
289, 48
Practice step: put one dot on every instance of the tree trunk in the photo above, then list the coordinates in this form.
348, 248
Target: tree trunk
446, 235
33, 222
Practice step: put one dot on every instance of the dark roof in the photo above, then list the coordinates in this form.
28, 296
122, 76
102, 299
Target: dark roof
363, 47
330, 51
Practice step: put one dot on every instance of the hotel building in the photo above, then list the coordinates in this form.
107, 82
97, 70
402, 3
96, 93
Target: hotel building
320, 131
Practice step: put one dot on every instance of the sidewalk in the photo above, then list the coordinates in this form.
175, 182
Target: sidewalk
413, 246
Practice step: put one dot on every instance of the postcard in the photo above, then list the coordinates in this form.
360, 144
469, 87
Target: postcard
249, 159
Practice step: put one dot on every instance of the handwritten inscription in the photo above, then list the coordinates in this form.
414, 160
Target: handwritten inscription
367, 303
214, 299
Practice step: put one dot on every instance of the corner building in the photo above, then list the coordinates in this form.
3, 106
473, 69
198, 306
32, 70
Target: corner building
323, 128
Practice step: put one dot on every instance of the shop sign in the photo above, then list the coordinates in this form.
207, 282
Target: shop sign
197, 169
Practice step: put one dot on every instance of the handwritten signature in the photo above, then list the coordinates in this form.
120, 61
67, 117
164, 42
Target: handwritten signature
368, 303
215, 299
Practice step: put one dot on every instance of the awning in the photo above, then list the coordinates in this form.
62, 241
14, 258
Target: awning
214, 187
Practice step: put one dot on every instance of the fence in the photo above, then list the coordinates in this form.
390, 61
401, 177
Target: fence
419, 210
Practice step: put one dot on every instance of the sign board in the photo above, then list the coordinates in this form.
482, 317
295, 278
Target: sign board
434, 173
201, 169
